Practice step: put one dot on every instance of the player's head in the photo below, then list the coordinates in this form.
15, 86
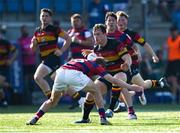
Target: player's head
174, 31
24, 30
46, 16
111, 21
99, 32
100, 61
76, 21
122, 20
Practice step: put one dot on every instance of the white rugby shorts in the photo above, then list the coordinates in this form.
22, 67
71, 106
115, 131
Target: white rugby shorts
67, 78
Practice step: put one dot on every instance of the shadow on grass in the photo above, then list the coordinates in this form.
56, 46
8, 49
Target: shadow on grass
146, 124
64, 108
32, 109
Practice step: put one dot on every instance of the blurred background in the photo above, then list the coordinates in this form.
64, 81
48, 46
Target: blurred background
151, 18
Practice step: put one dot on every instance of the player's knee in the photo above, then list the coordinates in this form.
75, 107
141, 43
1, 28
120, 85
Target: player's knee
144, 84
37, 78
89, 97
121, 76
93, 91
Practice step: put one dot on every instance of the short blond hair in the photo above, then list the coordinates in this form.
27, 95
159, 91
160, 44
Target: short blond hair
122, 14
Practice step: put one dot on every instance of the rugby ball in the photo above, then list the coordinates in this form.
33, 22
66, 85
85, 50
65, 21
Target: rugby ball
91, 56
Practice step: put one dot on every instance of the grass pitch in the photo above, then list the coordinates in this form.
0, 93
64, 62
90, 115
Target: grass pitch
151, 118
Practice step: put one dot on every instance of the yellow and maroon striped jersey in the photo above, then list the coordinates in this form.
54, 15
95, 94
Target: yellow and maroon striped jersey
135, 37
112, 53
48, 39
5, 50
127, 41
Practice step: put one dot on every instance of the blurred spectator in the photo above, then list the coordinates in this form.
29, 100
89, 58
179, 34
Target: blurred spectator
165, 9
122, 5
28, 60
152, 7
8, 54
176, 15
97, 10
173, 61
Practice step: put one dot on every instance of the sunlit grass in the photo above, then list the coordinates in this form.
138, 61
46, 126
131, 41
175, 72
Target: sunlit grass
151, 118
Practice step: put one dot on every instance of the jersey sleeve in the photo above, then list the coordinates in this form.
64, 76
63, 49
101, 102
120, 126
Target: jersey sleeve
122, 50
137, 38
11, 47
101, 71
60, 32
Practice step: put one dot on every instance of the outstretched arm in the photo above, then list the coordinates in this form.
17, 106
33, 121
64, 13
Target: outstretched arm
149, 49
127, 62
66, 44
122, 84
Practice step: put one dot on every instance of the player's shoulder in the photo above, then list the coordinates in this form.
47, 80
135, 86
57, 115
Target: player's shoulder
53, 27
5, 41
130, 31
112, 40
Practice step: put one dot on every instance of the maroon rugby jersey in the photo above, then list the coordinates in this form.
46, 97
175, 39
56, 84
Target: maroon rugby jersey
112, 52
90, 68
76, 48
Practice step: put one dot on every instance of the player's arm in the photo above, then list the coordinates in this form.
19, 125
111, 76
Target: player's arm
34, 44
122, 84
12, 55
140, 40
149, 49
127, 62
123, 54
3, 82
87, 42
66, 44
138, 52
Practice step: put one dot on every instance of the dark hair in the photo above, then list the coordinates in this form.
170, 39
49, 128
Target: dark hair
100, 61
110, 14
74, 16
173, 28
47, 10
122, 14
23, 26
101, 27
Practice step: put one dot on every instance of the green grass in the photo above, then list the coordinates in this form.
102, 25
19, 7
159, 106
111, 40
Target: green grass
151, 118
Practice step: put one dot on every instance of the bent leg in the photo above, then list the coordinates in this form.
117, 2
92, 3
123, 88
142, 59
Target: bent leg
39, 76
48, 104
